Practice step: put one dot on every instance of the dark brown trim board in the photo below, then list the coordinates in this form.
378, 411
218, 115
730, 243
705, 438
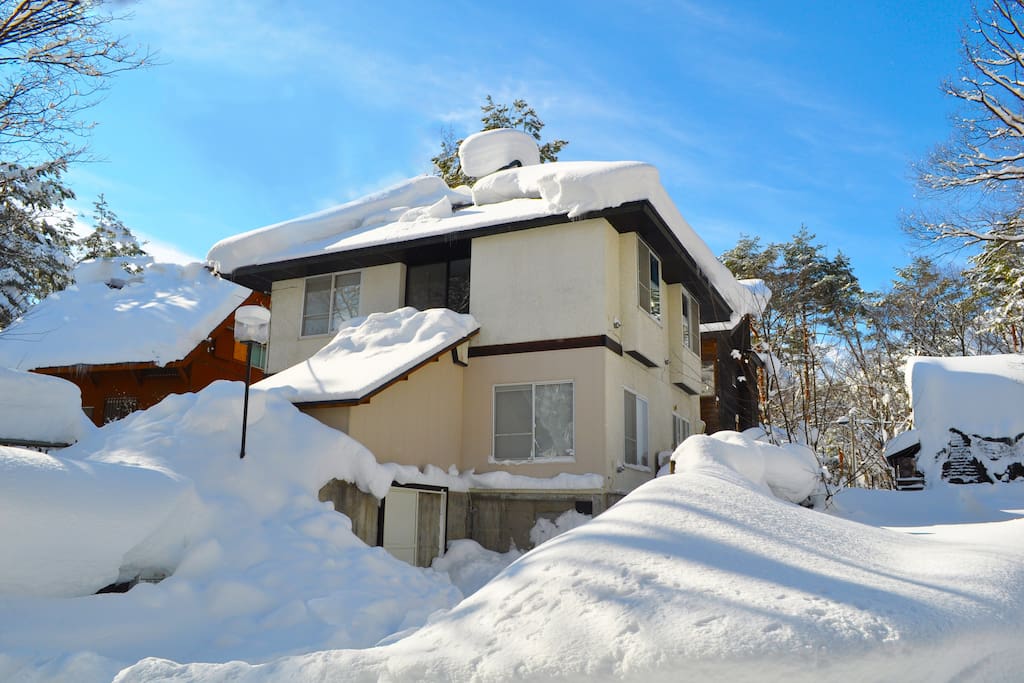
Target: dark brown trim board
547, 345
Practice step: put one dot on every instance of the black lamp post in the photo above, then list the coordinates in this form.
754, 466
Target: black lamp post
252, 326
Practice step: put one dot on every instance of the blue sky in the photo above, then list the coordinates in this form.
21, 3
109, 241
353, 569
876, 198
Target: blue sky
761, 116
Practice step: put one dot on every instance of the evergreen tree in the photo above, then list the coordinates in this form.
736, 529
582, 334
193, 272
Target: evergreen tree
518, 115
997, 278
35, 241
110, 238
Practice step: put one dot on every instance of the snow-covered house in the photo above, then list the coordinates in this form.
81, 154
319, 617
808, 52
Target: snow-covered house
129, 340
967, 417
579, 359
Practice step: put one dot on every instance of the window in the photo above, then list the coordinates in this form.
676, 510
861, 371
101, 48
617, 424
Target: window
691, 323
533, 421
707, 378
636, 430
116, 407
648, 279
259, 353
438, 285
329, 301
680, 430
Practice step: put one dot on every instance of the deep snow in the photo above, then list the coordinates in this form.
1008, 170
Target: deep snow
706, 573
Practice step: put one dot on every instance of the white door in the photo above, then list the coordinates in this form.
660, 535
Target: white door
400, 523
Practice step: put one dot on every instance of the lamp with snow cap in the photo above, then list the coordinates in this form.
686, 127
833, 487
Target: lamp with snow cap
252, 326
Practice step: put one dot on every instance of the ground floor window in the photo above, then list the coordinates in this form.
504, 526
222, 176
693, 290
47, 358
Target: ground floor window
533, 421
635, 409
680, 430
116, 407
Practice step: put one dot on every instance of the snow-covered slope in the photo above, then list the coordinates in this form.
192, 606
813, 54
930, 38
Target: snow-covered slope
703, 576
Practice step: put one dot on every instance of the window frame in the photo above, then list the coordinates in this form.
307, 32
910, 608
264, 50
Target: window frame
571, 457
638, 399
645, 281
303, 315
680, 425
691, 323
448, 277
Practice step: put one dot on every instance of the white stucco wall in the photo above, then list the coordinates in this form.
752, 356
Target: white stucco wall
381, 288
544, 283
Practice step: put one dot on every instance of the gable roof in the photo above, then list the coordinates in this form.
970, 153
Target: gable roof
369, 353
422, 218
157, 316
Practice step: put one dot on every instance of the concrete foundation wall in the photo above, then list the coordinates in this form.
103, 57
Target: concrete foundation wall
361, 507
497, 520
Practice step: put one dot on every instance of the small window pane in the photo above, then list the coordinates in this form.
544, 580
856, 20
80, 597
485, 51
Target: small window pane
346, 299
425, 286
655, 271
513, 413
641, 432
643, 276
512, 446
458, 286
707, 376
553, 420
629, 410
317, 305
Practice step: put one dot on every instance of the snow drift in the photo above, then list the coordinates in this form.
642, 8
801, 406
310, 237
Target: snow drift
40, 408
703, 576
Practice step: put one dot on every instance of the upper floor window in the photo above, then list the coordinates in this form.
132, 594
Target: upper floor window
636, 430
329, 301
648, 279
438, 285
691, 323
533, 421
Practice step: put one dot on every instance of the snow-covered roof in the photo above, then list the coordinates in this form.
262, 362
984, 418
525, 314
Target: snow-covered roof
425, 207
40, 408
979, 395
108, 316
369, 352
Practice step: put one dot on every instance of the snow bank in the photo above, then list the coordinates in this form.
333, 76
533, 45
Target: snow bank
386, 206
368, 352
261, 568
980, 396
704, 577
40, 408
158, 315
66, 526
491, 150
790, 472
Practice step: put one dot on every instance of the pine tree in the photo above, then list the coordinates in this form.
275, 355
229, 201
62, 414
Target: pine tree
997, 277
110, 238
35, 240
518, 115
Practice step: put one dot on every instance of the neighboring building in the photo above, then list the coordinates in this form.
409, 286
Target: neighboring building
127, 341
588, 288
731, 373
968, 421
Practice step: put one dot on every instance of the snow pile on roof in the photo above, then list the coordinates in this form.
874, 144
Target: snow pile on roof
790, 472
109, 316
702, 576
370, 351
259, 567
901, 442
981, 396
422, 207
421, 197
40, 408
492, 150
